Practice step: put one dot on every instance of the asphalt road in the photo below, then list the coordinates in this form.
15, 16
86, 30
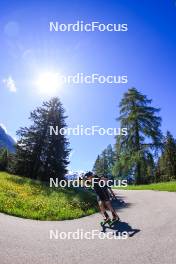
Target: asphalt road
149, 218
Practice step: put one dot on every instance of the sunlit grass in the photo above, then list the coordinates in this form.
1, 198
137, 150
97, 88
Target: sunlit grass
161, 186
30, 199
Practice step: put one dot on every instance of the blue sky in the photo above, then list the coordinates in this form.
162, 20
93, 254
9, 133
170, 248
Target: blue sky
146, 53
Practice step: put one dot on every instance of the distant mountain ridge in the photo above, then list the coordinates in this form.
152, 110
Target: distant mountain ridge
6, 141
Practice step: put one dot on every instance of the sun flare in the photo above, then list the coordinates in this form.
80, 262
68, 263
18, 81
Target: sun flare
48, 83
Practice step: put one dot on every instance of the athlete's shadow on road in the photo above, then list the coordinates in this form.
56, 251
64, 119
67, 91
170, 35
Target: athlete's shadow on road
120, 228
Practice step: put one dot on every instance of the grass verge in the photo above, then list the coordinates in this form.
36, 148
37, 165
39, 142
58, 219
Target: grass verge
161, 186
20, 196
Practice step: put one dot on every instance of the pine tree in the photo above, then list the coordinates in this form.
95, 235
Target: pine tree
97, 165
104, 162
144, 135
110, 158
167, 161
3, 159
39, 154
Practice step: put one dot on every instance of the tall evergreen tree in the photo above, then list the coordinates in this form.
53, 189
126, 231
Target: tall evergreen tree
167, 161
97, 165
135, 150
3, 159
104, 162
41, 155
110, 158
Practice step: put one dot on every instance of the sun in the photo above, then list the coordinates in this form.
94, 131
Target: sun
48, 83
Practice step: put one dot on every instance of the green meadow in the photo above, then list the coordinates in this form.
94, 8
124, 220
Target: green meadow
161, 186
26, 198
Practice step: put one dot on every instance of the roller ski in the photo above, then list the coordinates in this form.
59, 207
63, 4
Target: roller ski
114, 221
105, 221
